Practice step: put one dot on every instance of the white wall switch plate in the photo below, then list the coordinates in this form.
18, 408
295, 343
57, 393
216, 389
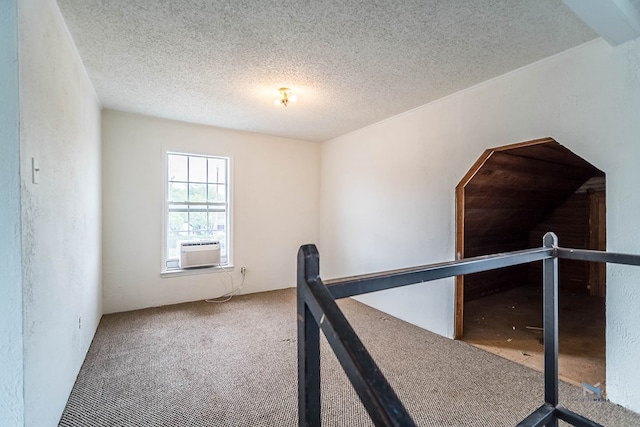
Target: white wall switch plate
35, 170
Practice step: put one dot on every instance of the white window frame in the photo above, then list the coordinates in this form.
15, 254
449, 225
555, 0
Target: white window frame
227, 260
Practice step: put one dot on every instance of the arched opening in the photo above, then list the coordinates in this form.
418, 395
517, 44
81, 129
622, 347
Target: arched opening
510, 197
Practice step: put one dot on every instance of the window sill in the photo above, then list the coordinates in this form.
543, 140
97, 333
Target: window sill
195, 271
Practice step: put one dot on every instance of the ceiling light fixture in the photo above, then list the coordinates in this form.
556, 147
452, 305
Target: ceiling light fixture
285, 97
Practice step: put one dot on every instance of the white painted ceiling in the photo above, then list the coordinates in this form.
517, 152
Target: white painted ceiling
351, 63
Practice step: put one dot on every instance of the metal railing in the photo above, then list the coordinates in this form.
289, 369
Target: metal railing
317, 310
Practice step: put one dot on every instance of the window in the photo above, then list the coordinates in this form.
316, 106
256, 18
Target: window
197, 203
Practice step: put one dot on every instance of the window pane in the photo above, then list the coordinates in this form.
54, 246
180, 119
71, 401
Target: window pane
217, 171
197, 192
183, 236
173, 237
178, 221
207, 235
198, 222
173, 252
172, 245
217, 193
197, 169
177, 192
218, 221
177, 167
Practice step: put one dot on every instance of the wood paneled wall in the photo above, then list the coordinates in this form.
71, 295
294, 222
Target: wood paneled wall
579, 223
508, 195
509, 198
570, 222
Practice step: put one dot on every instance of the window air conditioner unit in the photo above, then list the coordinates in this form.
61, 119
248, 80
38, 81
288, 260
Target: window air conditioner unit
203, 253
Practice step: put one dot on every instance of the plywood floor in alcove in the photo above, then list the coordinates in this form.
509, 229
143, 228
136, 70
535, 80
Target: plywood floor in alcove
498, 324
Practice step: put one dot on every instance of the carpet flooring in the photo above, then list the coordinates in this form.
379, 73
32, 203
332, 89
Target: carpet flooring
234, 364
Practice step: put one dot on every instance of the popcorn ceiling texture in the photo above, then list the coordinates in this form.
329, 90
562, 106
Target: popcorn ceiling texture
351, 63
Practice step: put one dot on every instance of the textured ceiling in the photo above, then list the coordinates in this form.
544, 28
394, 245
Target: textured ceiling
351, 63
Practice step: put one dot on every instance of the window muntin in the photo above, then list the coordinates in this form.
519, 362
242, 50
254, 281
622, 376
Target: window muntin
197, 203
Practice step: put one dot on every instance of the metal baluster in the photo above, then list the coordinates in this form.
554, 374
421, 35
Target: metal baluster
550, 298
308, 349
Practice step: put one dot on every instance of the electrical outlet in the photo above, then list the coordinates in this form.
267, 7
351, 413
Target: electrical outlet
243, 270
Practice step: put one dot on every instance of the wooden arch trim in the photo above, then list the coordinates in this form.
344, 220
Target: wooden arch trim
460, 220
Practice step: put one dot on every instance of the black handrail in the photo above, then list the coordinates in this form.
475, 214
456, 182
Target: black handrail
317, 310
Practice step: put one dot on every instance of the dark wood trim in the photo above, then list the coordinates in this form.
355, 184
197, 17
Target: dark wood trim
459, 309
597, 241
474, 169
522, 144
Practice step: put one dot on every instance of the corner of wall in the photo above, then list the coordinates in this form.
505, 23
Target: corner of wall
11, 309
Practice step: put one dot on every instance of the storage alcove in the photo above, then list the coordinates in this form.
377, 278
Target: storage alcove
510, 197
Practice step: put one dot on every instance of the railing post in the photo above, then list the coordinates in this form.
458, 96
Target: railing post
308, 343
550, 298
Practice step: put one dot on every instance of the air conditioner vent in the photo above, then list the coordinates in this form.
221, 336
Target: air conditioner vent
201, 253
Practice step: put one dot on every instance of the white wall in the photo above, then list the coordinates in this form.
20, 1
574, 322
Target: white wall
60, 127
275, 208
387, 191
11, 355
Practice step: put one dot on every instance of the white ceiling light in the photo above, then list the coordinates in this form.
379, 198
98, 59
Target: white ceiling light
285, 97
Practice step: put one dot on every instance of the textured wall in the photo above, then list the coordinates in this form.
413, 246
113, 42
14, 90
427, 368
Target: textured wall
387, 191
11, 399
60, 127
274, 197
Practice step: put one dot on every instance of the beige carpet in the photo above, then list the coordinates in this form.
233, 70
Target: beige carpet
234, 364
